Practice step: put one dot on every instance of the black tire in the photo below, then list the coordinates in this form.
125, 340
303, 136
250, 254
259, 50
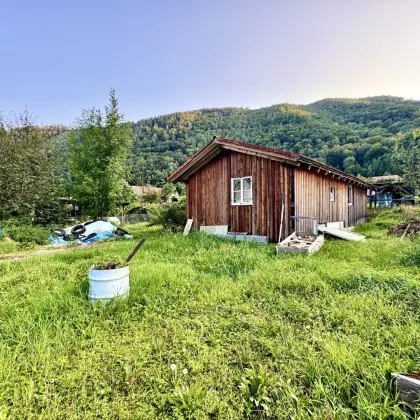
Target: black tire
90, 236
78, 230
58, 232
88, 222
120, 232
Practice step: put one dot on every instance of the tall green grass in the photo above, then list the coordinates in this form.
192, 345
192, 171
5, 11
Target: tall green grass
261, 336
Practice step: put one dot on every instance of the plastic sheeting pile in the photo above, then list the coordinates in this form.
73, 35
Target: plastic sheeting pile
92, 232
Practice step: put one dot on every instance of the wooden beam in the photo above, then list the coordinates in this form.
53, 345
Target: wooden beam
262, 154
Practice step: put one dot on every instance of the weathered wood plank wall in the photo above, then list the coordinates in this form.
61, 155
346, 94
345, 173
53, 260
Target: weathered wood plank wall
209, 196
313, 199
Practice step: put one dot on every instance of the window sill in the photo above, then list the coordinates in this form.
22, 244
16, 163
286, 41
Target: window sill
241, 204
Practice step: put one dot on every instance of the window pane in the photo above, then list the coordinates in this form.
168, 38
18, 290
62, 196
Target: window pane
237, 197
236, 185
247, 196
247, 183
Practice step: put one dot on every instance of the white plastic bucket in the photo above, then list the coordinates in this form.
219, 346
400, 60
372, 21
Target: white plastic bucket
108, 284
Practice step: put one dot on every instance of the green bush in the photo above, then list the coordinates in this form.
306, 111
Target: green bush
172, 216
136, 209
411, 213
152, 197
27, 234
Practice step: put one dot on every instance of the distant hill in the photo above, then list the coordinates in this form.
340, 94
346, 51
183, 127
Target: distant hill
354, 135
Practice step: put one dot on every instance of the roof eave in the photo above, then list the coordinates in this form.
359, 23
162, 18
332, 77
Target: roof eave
195, 162
330, 170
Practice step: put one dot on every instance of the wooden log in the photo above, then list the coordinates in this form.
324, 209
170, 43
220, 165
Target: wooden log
408, 389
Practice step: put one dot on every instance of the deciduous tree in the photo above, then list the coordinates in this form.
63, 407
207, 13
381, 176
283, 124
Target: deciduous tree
29, 171
98, 154
407, 158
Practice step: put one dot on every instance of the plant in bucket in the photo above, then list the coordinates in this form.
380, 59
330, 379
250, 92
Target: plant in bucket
107, 282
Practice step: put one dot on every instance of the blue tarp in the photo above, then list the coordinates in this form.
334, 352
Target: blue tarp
98, 231
99, 236
55, 240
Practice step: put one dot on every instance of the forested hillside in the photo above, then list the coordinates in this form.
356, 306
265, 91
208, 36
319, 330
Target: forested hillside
354, 135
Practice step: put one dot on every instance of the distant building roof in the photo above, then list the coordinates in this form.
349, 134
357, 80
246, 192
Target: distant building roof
142, 190
386, 178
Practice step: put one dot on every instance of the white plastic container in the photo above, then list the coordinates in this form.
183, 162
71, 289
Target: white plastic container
109, 284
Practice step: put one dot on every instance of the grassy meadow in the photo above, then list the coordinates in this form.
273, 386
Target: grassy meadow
213, 329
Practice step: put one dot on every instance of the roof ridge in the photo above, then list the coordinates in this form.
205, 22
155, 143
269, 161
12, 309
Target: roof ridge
256, 146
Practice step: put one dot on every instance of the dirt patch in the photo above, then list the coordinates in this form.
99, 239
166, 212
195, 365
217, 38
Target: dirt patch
25, 255
413, 375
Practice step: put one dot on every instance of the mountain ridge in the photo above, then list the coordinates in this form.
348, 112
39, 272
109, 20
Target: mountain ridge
355, 135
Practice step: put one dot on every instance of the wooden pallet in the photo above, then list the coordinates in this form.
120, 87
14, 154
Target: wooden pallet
300, 244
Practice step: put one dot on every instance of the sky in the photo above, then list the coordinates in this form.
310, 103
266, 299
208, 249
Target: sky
59, 57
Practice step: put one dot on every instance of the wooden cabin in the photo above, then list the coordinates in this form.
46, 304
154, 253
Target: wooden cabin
241, 185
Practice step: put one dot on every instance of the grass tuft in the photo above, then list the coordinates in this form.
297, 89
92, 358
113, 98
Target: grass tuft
260, 336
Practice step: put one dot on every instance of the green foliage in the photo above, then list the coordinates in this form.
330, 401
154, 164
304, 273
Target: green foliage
136, 208
127, 195
26, 234
410, 213
168, 189
188, 402
172, 216
103, 264
254, 389
357, 136
407, 158
327, 329
354, 135
180, 188
152, 197
29, 166
98, 155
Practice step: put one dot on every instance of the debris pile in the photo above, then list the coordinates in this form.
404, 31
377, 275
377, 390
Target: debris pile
405, 229
86, 233
300, 244
301, 241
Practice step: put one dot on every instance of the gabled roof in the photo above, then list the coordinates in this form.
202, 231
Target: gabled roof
217, 144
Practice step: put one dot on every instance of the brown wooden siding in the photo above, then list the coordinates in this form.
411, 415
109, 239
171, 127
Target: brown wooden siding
313, 199
358, 211
209, 196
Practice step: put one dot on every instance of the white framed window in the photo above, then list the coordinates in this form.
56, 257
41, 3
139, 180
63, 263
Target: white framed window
350, 195
242, 191
332, 194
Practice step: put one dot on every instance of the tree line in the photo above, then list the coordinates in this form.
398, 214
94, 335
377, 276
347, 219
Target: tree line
356, 136
41, 171
95, 161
